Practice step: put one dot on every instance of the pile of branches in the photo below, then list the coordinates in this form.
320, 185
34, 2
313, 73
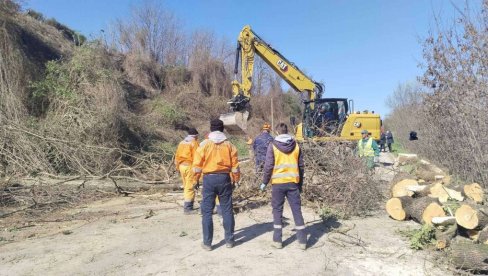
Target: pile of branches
335, 178
41, 196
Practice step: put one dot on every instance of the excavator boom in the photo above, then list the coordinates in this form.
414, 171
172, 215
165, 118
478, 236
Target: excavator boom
249, 44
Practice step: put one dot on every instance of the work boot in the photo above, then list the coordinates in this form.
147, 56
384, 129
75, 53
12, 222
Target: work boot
188, 207
207, 247
190, 212
277, 245
229, 244
303, 246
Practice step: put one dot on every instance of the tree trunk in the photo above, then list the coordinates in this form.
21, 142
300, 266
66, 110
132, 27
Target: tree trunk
483, 236
424, 209
472, 216
443, 238
396, 207
468, 256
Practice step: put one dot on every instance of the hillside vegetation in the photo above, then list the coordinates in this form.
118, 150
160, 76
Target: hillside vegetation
114, 105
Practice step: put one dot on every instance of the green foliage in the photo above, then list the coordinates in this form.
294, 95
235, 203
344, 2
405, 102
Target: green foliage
242, 147
58, 82
170, 113
420, 238
63, 78
328, 213
451, 206
398, 148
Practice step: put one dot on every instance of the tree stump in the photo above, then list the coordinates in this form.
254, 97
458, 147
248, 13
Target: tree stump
423, 209
396, 206
468, 256
471, 216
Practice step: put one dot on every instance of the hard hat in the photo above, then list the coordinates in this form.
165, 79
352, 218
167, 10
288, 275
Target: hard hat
266, 126
364, 131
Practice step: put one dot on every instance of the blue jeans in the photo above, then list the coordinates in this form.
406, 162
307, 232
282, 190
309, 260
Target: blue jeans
217, 185
278, 194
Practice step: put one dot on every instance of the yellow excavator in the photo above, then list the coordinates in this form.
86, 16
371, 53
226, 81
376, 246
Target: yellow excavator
324, 119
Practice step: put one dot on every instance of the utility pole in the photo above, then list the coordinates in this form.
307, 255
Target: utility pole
272, 114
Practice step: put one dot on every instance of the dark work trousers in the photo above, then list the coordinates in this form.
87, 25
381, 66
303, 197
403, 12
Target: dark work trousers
217, 185
389, 147
278, 194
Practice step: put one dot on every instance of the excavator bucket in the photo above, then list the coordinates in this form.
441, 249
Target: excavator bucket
235, 123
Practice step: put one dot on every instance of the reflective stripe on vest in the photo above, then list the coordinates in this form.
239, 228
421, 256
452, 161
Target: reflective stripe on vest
366, 149
285, 166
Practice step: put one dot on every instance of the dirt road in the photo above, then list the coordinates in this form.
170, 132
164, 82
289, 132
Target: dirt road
149, 235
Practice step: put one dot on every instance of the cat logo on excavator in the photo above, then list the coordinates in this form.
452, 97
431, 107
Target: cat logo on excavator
283, 66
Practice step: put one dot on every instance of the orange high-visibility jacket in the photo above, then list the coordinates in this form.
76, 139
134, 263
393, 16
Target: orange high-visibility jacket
213, 157
185, 152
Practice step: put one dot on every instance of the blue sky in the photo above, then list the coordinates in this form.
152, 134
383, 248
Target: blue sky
359, 49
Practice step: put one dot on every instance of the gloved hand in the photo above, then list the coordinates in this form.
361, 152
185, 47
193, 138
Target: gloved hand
196, 187
376, 159
262, 187
300, 187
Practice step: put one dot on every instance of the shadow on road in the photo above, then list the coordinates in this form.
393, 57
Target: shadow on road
315, 230
248, 233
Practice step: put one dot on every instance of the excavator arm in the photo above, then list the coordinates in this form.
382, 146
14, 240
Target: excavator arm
249, 44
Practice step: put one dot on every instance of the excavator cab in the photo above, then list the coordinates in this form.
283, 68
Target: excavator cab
334, 119
324, 117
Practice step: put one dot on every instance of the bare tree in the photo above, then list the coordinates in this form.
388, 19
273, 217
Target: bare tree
152, 32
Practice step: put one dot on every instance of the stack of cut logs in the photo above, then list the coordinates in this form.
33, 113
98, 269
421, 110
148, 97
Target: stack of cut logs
454, 211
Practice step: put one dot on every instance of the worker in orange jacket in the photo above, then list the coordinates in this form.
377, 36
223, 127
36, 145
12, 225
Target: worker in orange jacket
216, 159
183, 161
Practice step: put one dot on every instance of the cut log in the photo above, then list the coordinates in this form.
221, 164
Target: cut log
443, 238
473, 234
424, 209
444, 194
474, 192
471, 216
483, 236
443, 221
406, 158
400, 188
468, 256
396, 206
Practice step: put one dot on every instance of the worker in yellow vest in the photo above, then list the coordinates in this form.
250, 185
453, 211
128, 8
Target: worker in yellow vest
368, 149
183, 161
284, 168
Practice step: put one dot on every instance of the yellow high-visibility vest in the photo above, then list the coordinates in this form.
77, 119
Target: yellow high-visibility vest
366, 149
285, 166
